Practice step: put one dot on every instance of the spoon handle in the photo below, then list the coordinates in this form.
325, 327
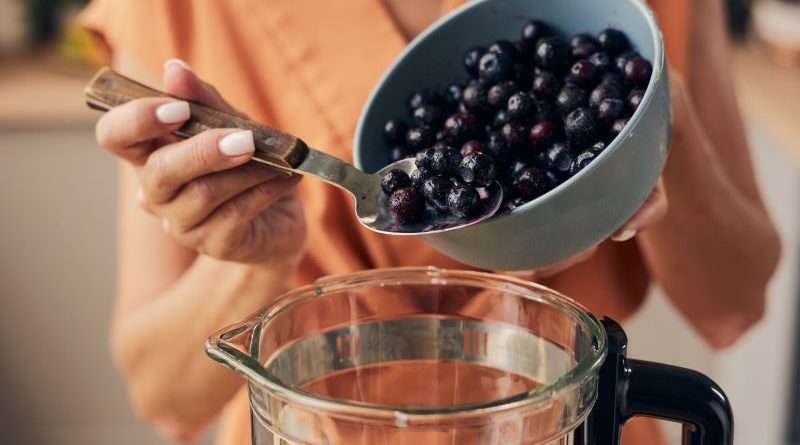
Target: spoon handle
109, 89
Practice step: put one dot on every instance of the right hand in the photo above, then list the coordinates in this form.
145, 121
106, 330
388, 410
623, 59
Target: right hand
203, 188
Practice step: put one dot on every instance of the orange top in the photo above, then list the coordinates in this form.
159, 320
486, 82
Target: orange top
307, 67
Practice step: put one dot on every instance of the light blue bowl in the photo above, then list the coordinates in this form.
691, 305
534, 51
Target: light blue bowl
582, 211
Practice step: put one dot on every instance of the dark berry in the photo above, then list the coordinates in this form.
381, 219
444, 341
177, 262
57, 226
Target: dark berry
424, 97
515, 168
533, 31
428, 116
548, 112
609, 111
583, 39
436, 189
521, 108
472, 146
419, 175
472, 58
558, 159
445, 160
397, 153
495, 66
605, 91
617, 127
530, 183
553, 54
478, 170
612, 78
439, 136
543, 134
545, 86
523, 74
514, 203
475, 100
424, 158
394, 180
460, 127
601, 61
464, 201
394, 132
553, 180
613, 41
418, 138
598, 147
637, 72
500, 119
452, 94
571, 97
634, 99
583, 74
516, 135
504, 46
500, 92
580, 126
497, 146
583, 51
581, 161
406, 205
623, 58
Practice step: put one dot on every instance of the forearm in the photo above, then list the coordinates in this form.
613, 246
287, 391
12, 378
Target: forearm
159, 346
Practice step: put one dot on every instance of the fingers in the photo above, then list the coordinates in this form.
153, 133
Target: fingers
650, 213
172, 166
128, 130
181, 81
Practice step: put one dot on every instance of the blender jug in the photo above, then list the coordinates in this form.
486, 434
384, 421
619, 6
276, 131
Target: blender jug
431, 356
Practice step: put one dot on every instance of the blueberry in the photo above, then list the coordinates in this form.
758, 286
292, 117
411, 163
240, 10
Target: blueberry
583, 51
609, 111
605, 91
500, 92
428, 116
598, 147
543, 134
523, 74
474, 98
552, 54
521, 108
617, 127
445, 160
545, 86
439, 136
530, 183
478, 170
583, 39
515, 168
464, 201
623, 58
581, 161
424, 97
472, 146
497, 146
504, 46
471, 59
394, 132
406, 205
436, 189
613, 41
571, 97
460, 127
394, 180
580, 126
634, 99
601, 61
534, 30
553, 180
418, 138
637, 72
548, 112
419, 175
558, 159
513, 203
583, 74
495, 66
424, 158
452, 94
500, 119
516, 135
397, 153
612, 78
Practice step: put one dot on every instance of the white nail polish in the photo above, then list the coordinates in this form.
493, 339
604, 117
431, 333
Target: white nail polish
623, 235
173, 112
237, 144
178, 62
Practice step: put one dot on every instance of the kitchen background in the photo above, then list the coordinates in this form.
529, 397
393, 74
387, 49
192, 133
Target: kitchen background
57, 251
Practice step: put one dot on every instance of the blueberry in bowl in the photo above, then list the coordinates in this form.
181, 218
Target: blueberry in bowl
578, 148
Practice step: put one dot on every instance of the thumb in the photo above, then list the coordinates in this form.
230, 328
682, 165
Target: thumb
181, 81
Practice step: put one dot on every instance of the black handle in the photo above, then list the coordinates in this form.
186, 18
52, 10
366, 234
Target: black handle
630, 388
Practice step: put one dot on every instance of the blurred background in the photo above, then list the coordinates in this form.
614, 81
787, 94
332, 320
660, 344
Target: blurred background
57, 250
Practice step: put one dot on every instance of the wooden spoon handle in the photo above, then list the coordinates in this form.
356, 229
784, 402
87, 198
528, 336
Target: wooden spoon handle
109, 89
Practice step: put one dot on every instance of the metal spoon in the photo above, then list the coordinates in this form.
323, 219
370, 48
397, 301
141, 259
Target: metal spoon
288, 153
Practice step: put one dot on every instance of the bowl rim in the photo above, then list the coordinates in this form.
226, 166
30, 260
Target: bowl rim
659, 69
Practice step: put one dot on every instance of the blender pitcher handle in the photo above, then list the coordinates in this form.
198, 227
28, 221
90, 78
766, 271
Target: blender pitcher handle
630, 388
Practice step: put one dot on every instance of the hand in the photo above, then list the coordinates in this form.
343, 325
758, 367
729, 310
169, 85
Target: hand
208, 196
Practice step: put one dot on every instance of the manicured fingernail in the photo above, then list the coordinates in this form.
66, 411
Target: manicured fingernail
623, 235
237, 144
165, 224
173, 112
140, 196
179, 63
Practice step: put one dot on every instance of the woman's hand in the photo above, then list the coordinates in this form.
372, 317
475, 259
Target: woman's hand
208, 196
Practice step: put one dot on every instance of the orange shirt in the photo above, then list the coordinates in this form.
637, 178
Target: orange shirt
307, 67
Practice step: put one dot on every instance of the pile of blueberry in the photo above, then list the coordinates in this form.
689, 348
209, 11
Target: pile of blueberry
534, 112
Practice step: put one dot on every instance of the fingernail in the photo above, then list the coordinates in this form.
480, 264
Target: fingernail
173, 112
236, 144
623, 235
179, 63
140, 195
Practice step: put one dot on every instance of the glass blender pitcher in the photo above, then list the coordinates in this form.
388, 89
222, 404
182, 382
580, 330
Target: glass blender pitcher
430, 356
